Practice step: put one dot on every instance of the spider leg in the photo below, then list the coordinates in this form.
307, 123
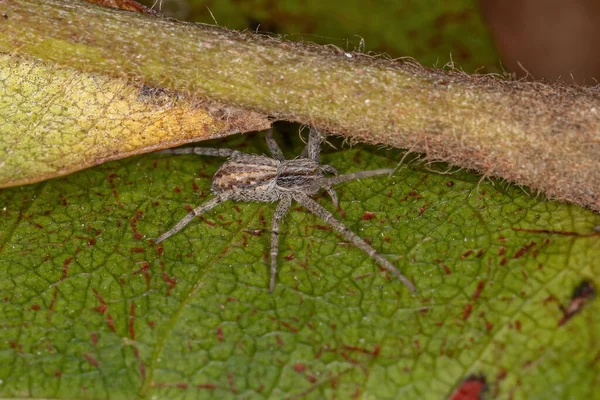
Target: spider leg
329, 169
333, 196
202, 151
188, 218
273, 146
356, 240
282, 209
314, 144
356, 175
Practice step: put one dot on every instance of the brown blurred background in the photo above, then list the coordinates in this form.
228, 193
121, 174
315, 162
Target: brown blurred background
552, 39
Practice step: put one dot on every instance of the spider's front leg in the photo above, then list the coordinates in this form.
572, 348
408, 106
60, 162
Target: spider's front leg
202, 151
313, 147
273, 146
282, 209
188, 218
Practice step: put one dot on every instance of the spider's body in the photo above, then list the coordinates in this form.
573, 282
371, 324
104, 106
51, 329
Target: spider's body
260, 178
248, 177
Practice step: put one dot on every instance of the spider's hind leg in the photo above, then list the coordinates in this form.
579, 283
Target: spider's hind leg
356, 240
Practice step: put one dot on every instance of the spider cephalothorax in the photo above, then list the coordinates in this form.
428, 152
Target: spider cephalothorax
249, 177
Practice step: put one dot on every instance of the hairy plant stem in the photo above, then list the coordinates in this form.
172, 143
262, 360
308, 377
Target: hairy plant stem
540, 135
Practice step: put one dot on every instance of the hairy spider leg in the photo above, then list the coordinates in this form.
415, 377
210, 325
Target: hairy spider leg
273, 146
282, 209
210, 204
356, 240
314, 144
334, 180
333, 195
348, 177
203, 151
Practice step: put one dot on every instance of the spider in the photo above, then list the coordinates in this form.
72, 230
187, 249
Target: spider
250, 177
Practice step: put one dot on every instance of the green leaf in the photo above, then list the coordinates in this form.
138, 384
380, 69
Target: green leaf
90, 307
56, 120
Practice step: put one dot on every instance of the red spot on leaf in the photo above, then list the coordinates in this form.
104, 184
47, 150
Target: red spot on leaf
489, 326
466, 254
143, 370
279, 340
102, 307
65, 269
524, 249
58, 374
518, 325
289, 326
110, 322
91, 359
94, 337
143, 270
35, 307
467, 311
219, 333
501, 238
501, 250
53, 301
367, 216
480, 287
298, 367
171, 282
471, 388
136, 250
132, 222
111, 182
375, 352
582, 294
231, 383
206, 386
503, 261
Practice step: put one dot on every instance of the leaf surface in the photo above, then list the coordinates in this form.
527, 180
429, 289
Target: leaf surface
92, 308
55, 120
